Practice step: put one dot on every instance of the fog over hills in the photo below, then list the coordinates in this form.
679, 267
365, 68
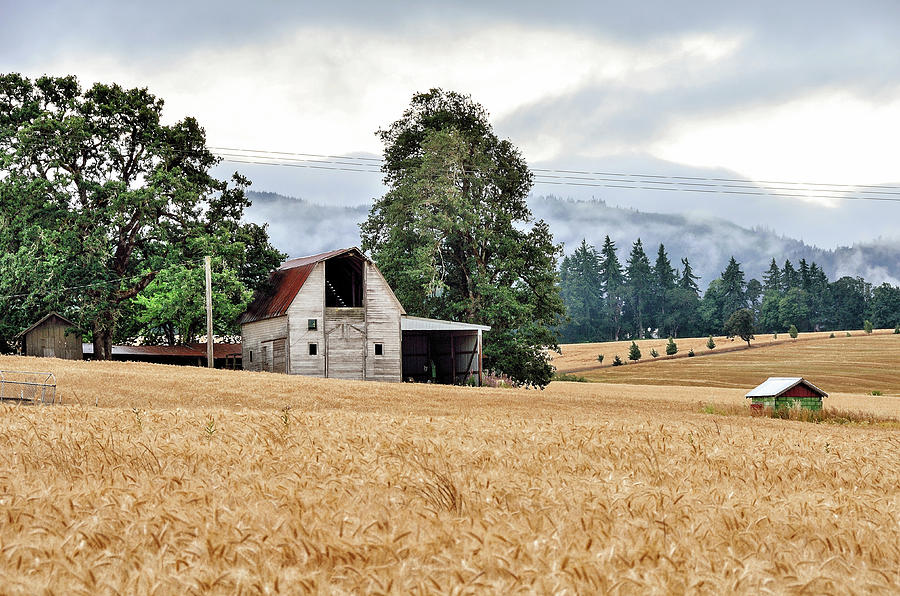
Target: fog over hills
300, 227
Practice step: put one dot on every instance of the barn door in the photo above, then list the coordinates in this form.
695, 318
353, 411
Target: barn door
346, 349
279, 359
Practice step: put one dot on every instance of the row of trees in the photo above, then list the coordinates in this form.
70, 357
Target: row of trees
610, 300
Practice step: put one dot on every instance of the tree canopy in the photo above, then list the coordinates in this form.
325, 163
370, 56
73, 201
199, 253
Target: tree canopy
455, 238
99, 197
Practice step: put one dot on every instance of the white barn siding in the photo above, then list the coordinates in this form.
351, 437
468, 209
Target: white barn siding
308, 304
382, 326
258, 335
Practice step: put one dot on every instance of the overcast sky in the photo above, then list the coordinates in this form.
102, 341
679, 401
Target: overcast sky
796, 91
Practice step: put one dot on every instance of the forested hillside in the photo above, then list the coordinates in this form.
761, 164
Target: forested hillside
300, 227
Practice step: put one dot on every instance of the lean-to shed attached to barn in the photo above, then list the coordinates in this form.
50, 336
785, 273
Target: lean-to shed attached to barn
334, 315
785, 392
54, 336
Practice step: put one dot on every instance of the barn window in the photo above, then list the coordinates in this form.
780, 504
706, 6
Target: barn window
311, 324
313, 349
379, 349
251, 355
344, 281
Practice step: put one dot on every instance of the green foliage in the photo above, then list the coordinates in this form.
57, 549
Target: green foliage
582, 291
792, 331
867, 326
452, 234
634, 352
848, 334
569, 378
617, 361
654, 353
691, 353
897, 329
740, 324
710, 343
671, 347
98, 194
600, 358
831, 336
875, 392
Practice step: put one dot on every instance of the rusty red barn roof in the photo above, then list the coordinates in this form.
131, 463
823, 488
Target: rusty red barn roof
194, 350
284, 283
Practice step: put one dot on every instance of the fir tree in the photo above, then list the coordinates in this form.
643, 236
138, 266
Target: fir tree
612, 282
634, 352
688, 280
640, 287
789, 277
733, 289
772, 278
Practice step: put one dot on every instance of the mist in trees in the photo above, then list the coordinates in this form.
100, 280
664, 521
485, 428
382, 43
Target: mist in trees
607, 302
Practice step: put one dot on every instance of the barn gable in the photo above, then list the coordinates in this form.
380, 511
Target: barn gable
50, 337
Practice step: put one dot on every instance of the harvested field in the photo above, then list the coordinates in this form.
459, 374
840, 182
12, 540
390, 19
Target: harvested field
582, 358
859, 365
184, 480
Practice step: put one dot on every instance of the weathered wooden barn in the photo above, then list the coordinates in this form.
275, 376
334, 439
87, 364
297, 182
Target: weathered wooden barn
54, 336
334, 315
785, 392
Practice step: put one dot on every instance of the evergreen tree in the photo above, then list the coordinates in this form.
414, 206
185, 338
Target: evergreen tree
789, 277
582, 293
640, 288
612, 282
665, 278
671, 347
803, 272
740, 324
688, 280
634, 352
772, 278
733, 289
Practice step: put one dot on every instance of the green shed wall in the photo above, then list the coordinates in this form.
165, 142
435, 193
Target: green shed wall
810, 403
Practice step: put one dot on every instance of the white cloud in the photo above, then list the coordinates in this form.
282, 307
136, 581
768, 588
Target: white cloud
828, 137
328, 90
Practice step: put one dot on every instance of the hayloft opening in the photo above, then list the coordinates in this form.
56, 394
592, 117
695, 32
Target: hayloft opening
344, 281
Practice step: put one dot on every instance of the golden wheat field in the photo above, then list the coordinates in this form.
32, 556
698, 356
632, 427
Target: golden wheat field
167, 480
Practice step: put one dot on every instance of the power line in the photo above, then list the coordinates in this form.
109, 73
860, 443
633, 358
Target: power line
658, 182
325, 157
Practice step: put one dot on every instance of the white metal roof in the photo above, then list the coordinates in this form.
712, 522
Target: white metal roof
777, 385
408, 323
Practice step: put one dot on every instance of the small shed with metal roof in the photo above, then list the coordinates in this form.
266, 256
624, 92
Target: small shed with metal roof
334, 315
785, 392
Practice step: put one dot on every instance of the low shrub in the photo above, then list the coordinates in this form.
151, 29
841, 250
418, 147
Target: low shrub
875, 392
867, 326
831, 336
691, 353
617, 361
600, 358
654, 353
793, 332
710, 343
569, 378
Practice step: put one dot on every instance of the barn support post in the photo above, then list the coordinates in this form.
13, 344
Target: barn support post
480, 361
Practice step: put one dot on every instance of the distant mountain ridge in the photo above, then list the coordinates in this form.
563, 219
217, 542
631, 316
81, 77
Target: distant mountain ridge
299, 227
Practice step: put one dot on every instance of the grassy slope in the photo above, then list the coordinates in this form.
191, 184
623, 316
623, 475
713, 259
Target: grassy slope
857, 364
190, 480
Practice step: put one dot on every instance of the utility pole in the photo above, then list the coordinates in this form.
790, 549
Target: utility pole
209, 325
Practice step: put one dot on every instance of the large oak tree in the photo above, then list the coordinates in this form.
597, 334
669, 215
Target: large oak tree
98, 195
